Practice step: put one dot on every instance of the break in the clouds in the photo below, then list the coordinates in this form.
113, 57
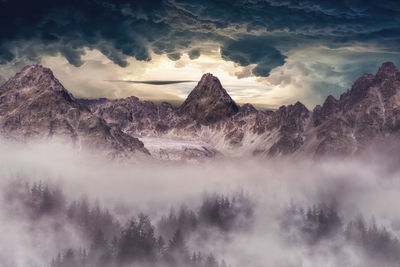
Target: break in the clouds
256, 38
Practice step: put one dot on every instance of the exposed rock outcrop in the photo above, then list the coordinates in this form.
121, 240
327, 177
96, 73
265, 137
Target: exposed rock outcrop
208, 102
208, 123
34, 105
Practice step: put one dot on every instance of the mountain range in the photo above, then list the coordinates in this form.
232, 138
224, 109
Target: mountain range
34, 105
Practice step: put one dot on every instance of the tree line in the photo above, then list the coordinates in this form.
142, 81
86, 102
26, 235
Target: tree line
323, 222
137, 242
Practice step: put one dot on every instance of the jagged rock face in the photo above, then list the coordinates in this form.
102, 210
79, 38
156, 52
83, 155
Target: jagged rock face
321, 113
208, 102
366, 113
34, 105
209, 123
139, 118
235, 131
291, 122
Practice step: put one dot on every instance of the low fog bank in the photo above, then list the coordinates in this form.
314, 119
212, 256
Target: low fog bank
228, 212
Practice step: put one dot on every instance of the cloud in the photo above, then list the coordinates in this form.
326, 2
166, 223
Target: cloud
194, 54
174, 56
311, 74
258, 39
250, 50
357, 186
122, 29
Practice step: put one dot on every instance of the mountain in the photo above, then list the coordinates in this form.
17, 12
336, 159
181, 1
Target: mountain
209, 123
208, 102
210, 116
160, 127
369, 112
34, 105
136, 117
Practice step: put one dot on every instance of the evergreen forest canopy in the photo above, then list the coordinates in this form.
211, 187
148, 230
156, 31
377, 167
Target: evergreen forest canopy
142, 241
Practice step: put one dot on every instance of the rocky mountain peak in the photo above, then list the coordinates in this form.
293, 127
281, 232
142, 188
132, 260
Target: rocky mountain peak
36, 75
290, 114
330, 104
320, 113
386, 79
330, 100
38, 79
208, 77
300, 107
210, 86
208, 102
387, 69
36, 68
358, 91
34, 105
248, 109
297, 109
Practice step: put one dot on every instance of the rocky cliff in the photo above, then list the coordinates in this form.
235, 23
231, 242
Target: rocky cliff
208, 102
34, 105
208, 123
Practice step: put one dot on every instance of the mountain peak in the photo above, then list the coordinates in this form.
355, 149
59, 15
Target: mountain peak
208, 102
387, 66
35, 67
37, 72
35, 76
210, 85
387, 69
248, 109
35, 105
209, 77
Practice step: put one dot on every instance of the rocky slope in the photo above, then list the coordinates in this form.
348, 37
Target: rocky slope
209, 115
208, 102
208, 123
34, 105
368, 112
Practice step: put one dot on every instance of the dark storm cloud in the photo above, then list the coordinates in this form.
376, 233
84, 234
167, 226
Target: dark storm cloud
253, 51
193, 54
115, 28
174, 56
256, 32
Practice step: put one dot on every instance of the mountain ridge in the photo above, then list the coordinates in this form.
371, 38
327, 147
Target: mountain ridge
368, 111
35, 105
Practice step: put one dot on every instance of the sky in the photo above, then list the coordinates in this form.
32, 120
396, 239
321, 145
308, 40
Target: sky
265, 52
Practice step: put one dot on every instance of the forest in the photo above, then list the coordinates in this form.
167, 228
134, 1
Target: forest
166, 241
139, 241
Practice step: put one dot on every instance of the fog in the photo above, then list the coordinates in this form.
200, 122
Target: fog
269, 231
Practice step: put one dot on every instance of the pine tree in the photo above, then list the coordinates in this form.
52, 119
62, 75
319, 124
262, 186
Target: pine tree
177, 252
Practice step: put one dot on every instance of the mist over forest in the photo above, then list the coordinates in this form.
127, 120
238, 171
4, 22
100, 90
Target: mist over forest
63, 209
199, 133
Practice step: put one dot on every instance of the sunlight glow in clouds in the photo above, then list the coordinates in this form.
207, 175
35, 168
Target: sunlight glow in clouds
265, 52
309, 75
92, 79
